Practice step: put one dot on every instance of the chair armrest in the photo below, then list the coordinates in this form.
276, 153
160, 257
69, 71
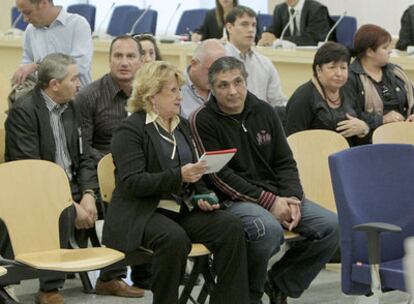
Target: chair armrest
373, 230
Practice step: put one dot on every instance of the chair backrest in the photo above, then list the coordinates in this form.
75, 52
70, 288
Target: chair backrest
311, 149
265, 21
345, 30
21, 24
394, 133
86, 10
33, 195
148, 23
372, 183
190, 20
2, 144
106, 177
122, 19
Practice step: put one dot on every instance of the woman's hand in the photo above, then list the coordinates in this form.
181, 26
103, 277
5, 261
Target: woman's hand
193, 172
195, 37
206, 206
410, 118
352, 126
392, 116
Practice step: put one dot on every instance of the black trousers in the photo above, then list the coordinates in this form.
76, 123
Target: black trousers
170, 235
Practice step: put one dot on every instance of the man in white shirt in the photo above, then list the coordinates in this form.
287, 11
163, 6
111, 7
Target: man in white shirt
196, 90
263, 80
53, 30
308, 20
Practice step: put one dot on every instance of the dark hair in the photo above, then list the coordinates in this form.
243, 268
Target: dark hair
125, 37
53, 66
239, 11
328, 52
220, 11
369, 36
149, 37
225, 64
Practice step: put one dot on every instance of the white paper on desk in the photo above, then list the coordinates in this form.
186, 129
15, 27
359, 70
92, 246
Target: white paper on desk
217, 159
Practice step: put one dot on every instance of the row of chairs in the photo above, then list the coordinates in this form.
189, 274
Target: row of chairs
124, 16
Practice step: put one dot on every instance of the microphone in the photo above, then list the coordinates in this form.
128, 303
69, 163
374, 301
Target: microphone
285, 44
132, 31
170, 39
99, 28
333, 28
14, 30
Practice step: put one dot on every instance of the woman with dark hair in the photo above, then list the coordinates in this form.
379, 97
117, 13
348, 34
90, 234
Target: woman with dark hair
150, 50
213, 25
322, 102
382, 90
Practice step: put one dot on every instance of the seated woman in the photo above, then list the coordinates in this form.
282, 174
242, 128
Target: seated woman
213, 25
157, 175
322, 102
383, 92
149, 47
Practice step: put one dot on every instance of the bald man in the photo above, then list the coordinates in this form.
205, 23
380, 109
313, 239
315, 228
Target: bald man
196, 90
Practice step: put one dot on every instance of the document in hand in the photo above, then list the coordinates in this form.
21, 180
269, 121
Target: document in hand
217, 159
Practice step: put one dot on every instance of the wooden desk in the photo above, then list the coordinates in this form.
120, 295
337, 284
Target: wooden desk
294, 66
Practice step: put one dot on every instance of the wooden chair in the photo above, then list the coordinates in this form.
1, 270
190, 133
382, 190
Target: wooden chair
199, 252
394, 133
2, 144
311, 149
34, 194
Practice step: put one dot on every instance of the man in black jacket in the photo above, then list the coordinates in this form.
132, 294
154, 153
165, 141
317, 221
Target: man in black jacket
309, 23
406, 36
261, 185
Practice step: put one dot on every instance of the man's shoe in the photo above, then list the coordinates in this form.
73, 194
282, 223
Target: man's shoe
117, 287
50, 297
274, 294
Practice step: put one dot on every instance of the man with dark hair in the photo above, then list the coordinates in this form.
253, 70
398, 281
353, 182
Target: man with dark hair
102, 107
51, 29
261, 186
406, 36
43, 125
309, 23
264, 81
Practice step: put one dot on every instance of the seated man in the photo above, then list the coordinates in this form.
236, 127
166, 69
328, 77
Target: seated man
51, 29
261, 186
406, 36
43, 125
263, 81
196, 89
309, 23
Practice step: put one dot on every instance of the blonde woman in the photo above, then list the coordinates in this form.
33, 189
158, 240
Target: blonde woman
153, 205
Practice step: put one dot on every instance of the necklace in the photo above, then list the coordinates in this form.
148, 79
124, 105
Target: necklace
335, 101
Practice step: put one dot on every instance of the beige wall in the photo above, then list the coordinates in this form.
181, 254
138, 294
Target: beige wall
5, 7
272, 4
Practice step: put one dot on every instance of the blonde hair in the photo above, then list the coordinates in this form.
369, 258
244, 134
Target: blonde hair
148, 81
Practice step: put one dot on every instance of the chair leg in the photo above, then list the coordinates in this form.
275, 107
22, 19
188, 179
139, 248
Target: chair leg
199, 264
202, 297
86, 282
5, 297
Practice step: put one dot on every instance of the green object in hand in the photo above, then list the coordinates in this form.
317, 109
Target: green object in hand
210, 198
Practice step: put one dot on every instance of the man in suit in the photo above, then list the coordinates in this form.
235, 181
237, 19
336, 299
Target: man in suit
406, 36
44, 125
309, 23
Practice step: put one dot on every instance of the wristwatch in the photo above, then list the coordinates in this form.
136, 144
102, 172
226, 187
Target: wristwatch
91, 192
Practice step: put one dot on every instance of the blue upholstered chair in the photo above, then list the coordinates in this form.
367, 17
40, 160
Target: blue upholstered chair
122, 19
190, 21
148, 23
21, 24
86, 10
346, 30
265, 21
373, 187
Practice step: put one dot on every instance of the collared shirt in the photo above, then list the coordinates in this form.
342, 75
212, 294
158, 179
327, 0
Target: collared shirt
191, 100
154, 117
263, 79
298, 13
69, 34
62, 156
102, 107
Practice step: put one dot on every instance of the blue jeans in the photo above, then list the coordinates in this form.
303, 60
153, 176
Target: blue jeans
302, 262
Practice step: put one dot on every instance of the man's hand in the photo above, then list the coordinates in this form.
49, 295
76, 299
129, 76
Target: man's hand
267, 39
195, 37
83, 220
281, 210
21, 74
193, 172
294, 205
88, 203
352, 126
